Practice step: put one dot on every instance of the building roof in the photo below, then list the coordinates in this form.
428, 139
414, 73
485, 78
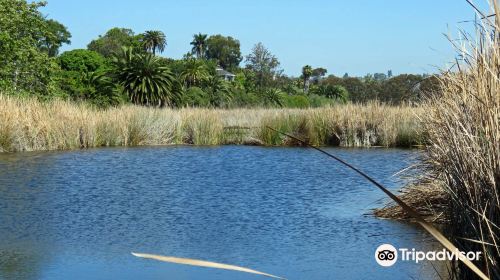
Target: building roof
222, 72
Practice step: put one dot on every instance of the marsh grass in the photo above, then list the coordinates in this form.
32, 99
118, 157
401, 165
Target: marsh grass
29, 125
463, 151
347, 125
461, 167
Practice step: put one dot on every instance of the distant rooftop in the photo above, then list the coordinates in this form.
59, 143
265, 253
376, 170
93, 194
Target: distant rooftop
221, 72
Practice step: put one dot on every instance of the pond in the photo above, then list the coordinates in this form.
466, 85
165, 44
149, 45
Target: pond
291, 212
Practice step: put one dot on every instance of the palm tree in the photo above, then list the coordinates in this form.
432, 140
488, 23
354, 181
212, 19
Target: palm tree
143, 78
194, 72
272, 97
199, 44
218, 90
154, 40
98, 87
307, 72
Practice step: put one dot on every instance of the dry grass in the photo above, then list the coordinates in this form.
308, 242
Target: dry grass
348, 125
463, 152
29, 125
462, 158
429, 200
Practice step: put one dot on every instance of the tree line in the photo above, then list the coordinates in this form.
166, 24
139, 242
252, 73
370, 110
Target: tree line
121, 66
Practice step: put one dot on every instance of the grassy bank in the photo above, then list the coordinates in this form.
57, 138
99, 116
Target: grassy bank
30, 125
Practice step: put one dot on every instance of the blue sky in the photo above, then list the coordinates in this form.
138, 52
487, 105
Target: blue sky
357, 37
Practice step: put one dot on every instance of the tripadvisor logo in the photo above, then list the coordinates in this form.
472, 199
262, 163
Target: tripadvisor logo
387, 255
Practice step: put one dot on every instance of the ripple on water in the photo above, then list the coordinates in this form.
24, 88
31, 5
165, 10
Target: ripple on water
288, 211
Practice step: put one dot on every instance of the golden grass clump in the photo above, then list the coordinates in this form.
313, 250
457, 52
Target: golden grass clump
350, 125
29, 125
463, 151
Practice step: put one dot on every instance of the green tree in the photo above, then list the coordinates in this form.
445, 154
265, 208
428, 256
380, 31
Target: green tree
195, 71
263, 63
355, 86
272, 97
307, 72
143, 78
199, 44
225, 50
318, 73
93, 87
81, 60
113, 41
195, 97
82, 77
337, 92
23, 66
153, 40
57, 36
218, 90
400, 88
100, 89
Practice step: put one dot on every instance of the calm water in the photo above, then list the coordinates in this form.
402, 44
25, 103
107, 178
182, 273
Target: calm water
287, 211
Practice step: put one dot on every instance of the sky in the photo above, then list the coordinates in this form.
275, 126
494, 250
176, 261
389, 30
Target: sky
355, 37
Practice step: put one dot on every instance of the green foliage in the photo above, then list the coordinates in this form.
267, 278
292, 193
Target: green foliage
199, 44
397, 89
245, 79
81, 61
319, 72
225, 50
218, 90
336, 92
241, 99
195, 71
316, 101
120, 63
100, 90
153, 40
400, 88
113, 41
22, 30
143, 78
195, 97
296, 101
57, 36
93, 87
291, 89
272, 97
263, 63
83, 77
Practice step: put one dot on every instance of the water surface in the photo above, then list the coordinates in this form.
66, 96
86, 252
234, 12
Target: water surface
287, 211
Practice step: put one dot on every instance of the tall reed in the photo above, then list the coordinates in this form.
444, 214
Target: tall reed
463, 151
28, 125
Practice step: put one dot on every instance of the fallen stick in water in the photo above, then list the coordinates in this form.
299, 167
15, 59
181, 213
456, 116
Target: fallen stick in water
203, 264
